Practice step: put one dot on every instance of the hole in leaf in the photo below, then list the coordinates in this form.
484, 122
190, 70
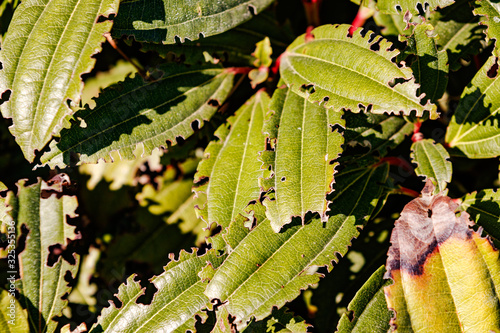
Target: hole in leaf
375, 46
252, 10
180, 140
213, 102
308, 88
399, 9
103, 18
421, 9
195, 125
5, 96
283, 179
429, 213
493, 71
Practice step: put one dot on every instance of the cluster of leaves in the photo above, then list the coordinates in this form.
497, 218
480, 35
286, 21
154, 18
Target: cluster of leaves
242, 170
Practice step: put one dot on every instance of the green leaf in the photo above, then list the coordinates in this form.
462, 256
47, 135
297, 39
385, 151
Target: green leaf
431, 65
403, 6
320, 70
368, 309
432, 161
445, 274
375, 132
41, 77
267, 269
152, 20
303, 135
490, 12
484, 209
232, 165
473, 130
174, 306
263, 53
233, 47
135, 115
459, 32
44, 211
13, 317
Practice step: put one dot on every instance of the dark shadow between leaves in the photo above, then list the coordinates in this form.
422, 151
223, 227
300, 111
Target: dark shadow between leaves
120, 112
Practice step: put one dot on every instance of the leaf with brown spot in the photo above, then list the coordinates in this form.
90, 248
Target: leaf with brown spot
446, 276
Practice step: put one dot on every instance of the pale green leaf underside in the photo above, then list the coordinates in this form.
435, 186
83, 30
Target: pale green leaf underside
43, 286
340, 80
47, 48
152, 20
12, 321
267, 269
234, 170
302, 163
490, 12
368, 307
484, 209
142, 115
473, 130
402, 6
432, 161
174, 306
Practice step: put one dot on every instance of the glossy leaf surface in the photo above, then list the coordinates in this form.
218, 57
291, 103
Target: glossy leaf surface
318, 67
47, 48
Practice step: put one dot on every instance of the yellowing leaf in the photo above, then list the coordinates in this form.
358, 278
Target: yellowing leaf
446, 276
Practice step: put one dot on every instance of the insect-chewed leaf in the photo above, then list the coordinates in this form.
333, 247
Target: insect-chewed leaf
375, 132
44, 210
446, 276
304, 136
484, 208
266, 269
232, 165
431, 65
403, 6
432, 162
473, 130
152, 20
368, 308
137, 116
459, 32
490, 12
321, 68
168, 312
232, 47
47, 48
